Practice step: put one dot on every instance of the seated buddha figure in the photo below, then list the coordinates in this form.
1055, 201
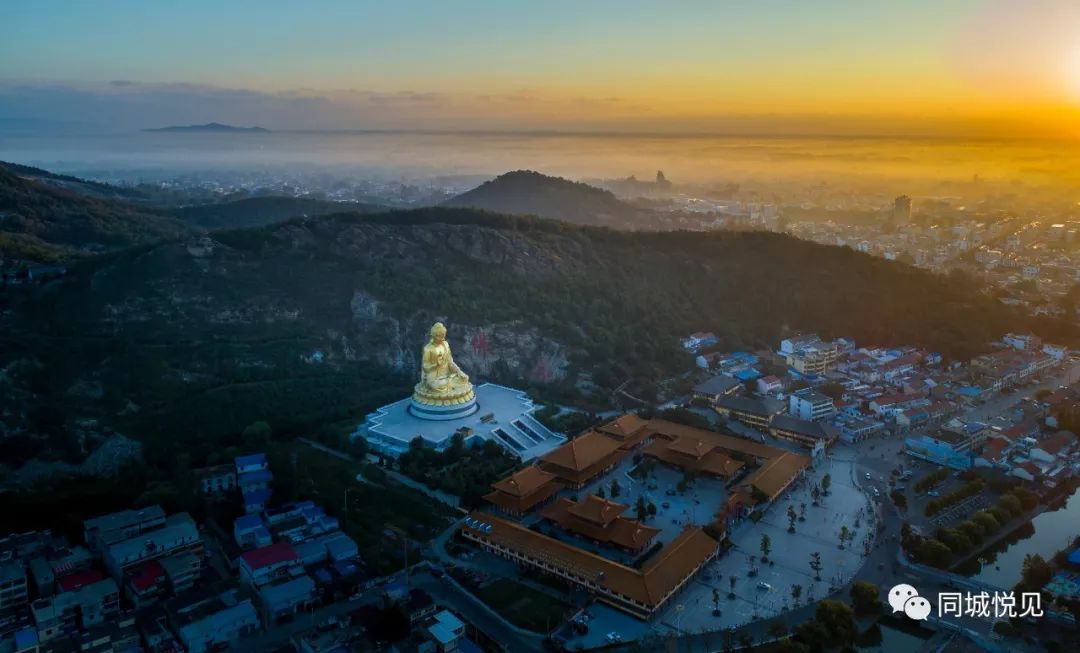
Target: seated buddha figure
441, 381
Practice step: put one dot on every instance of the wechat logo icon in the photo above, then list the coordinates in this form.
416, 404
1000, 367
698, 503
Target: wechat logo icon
905, 598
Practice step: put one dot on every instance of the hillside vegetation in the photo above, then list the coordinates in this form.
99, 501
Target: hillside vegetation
258, 211
45, 220
531, 193
308, 322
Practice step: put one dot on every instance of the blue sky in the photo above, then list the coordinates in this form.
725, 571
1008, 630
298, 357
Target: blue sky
531, 64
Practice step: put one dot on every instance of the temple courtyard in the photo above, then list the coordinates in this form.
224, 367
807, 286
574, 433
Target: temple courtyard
845, 505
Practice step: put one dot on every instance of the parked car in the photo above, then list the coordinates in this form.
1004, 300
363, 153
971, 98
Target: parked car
933, 493
764, 586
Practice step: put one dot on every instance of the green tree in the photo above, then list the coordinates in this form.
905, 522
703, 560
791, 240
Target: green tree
615, 488
826, 481
796, 592
813, 634
815, 564
844, 535
865, 597
766, 547
839, 619
731, 581
792, 518
641, 508
934, 553
256, 436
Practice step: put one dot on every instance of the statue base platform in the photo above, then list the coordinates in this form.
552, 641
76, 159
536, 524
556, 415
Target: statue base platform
506, 419
442, 413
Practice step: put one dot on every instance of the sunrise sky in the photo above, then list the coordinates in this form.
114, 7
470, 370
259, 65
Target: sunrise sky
971, 67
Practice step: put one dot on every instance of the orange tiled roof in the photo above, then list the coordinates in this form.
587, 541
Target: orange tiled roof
624, 427
582, 452
714, 461
524, 482
773, 476
608, 527
672, 430
650, 585
596, 510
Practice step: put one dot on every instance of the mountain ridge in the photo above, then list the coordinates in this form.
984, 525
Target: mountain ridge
214, 127
317, 320
527, 192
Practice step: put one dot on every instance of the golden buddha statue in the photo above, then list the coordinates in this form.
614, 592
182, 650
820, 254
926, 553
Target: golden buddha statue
442, 383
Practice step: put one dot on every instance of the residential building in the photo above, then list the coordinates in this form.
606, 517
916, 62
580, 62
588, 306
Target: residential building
250, 532
755, 413
65, 614
716, 387
261, 566
810, 405
14, 592
145, 583
803, 431
100, 532
446, 630
698, 340
769, 385
283, 598
179, 533
182, 570
220, 479
210, 624
1054, 448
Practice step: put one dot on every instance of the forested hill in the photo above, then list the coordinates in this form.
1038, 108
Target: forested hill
530, 193
259, 211
309, 321
56, 219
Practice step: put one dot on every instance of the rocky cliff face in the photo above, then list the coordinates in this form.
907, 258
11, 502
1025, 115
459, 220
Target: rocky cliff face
489, 351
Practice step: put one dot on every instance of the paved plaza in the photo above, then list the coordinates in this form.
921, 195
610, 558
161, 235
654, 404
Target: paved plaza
691, 611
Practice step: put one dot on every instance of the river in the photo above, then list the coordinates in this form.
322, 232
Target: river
1046, 535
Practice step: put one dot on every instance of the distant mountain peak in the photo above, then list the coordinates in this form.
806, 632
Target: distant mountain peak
209, 127
533, 193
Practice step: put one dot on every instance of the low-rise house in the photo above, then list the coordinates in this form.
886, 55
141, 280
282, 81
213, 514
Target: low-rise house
285, 597
1055, 447
250, 532
993, 454
178, 534
65, 614
14, 590
769, 385
145, 584
803, 431
716, 387
100, 532
213, 623
220, 479
260, 566
698, 340
182, 570
755, 413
